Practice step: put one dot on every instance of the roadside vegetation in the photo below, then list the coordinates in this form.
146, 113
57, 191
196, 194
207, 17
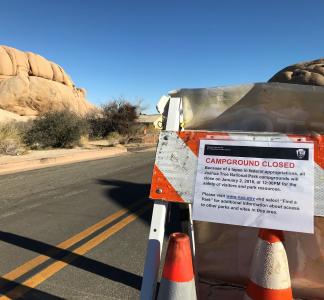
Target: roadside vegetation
10, 138
114, 122
57, 129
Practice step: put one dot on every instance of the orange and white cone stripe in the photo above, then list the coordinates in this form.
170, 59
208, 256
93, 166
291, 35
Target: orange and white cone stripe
269, 279
178, 281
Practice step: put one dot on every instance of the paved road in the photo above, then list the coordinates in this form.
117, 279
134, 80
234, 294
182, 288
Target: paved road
46, 214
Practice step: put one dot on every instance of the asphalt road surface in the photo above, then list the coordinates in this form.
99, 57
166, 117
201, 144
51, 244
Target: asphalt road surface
77, 231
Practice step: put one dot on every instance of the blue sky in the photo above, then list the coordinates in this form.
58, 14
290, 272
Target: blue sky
143, 49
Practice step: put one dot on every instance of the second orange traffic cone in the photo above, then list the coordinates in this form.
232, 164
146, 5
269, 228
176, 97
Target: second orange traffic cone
178, 282
269, 278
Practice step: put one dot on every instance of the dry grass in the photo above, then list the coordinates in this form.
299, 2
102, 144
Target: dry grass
114, 138
10, 138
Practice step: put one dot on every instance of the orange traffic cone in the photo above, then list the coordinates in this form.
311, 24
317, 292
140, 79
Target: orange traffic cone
269, 279
178, 282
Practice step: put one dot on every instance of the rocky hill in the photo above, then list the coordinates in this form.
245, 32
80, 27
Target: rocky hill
309, 73
31, 85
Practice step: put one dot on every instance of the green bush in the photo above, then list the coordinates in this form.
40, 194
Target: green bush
57, 129
117, 116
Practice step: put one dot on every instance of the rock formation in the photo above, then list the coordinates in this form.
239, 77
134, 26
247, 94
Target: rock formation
31, 85
308, 73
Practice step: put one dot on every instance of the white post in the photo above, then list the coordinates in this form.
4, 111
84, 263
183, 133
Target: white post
173, 121
154, 250
155, 243
191, 232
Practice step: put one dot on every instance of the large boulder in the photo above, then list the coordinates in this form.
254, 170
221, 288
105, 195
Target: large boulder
31, 85
308, 73
7, 117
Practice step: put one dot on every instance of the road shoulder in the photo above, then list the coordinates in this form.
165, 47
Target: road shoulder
48, 158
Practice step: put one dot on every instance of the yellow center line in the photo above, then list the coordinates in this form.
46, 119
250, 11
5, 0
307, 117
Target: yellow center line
59, 265
29, 265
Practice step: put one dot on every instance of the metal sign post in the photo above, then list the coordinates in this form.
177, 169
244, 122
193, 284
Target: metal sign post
155, 243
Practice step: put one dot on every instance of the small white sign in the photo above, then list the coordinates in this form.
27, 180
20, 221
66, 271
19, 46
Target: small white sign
254, 183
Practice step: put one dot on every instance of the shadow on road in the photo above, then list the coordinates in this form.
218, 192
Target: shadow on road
76, 260
32, 293
122, 192
125, 193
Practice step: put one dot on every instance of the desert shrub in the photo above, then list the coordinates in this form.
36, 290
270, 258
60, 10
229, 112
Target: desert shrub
10, 138
114, 138
57, 129
24, 126
120, 116
135, 131
117, 116
97, 127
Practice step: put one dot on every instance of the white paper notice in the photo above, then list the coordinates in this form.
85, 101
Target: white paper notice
258, 184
